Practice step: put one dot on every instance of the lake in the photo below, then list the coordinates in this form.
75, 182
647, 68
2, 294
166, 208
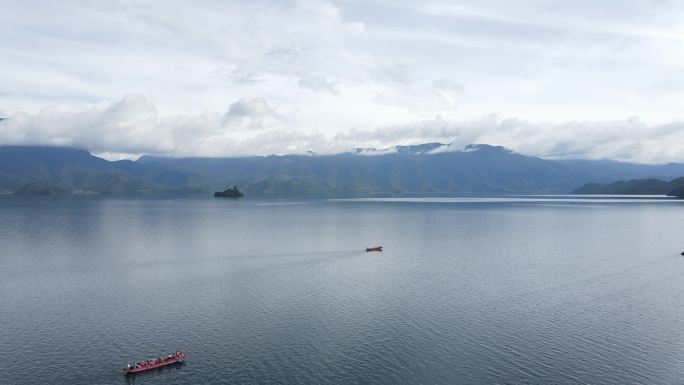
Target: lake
489, 290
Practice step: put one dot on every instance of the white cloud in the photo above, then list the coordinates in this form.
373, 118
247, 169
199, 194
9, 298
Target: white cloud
252, 114
250, 127
626, 140
318, 83
134, 126
314, 73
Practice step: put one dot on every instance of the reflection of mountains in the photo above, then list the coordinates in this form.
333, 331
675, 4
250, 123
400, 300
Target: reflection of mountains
429, 169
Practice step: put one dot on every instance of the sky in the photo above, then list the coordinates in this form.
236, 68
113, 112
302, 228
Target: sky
555, 78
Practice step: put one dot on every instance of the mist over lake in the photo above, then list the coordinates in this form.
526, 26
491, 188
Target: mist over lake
539, 290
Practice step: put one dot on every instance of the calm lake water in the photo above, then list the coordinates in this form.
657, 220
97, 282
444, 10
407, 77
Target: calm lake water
535, 290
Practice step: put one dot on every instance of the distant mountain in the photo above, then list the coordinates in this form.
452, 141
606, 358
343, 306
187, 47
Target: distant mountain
427, 169
405, 170
636, 187
67, 168
604, 171
40, 188
677, 191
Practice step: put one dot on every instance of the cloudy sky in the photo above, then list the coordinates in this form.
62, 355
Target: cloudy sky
553, 78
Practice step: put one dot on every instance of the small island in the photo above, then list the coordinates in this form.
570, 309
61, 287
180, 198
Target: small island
232, 192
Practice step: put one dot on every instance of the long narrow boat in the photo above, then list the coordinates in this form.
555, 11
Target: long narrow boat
144, 366
375, 248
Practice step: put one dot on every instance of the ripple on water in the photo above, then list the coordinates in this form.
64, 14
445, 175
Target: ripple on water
498, 292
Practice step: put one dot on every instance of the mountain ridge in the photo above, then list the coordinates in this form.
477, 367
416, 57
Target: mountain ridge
427, 169
650, 186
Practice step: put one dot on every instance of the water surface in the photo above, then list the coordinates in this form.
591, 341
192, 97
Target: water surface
489, 290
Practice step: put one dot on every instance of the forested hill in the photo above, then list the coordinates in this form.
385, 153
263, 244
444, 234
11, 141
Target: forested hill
428, 169
636, 187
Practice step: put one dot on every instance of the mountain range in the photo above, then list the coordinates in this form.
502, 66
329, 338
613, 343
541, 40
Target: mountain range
426, 169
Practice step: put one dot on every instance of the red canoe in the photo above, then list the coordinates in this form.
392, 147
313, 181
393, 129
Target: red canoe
144, 366
376, 248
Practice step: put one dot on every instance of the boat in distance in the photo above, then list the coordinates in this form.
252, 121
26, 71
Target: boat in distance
156, 363
374, 248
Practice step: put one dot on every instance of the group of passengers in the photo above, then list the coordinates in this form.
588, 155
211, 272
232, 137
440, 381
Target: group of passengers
146, 363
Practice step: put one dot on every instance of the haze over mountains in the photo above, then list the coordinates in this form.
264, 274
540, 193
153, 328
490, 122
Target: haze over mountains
428, 169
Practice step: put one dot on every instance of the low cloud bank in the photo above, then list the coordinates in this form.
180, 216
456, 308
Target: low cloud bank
252, 127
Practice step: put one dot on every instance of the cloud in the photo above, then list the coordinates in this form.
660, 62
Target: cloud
241, 76
448, 85
331, 75
318, 83
244, 108
133, 125
577, 59
249, 113
628, 140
